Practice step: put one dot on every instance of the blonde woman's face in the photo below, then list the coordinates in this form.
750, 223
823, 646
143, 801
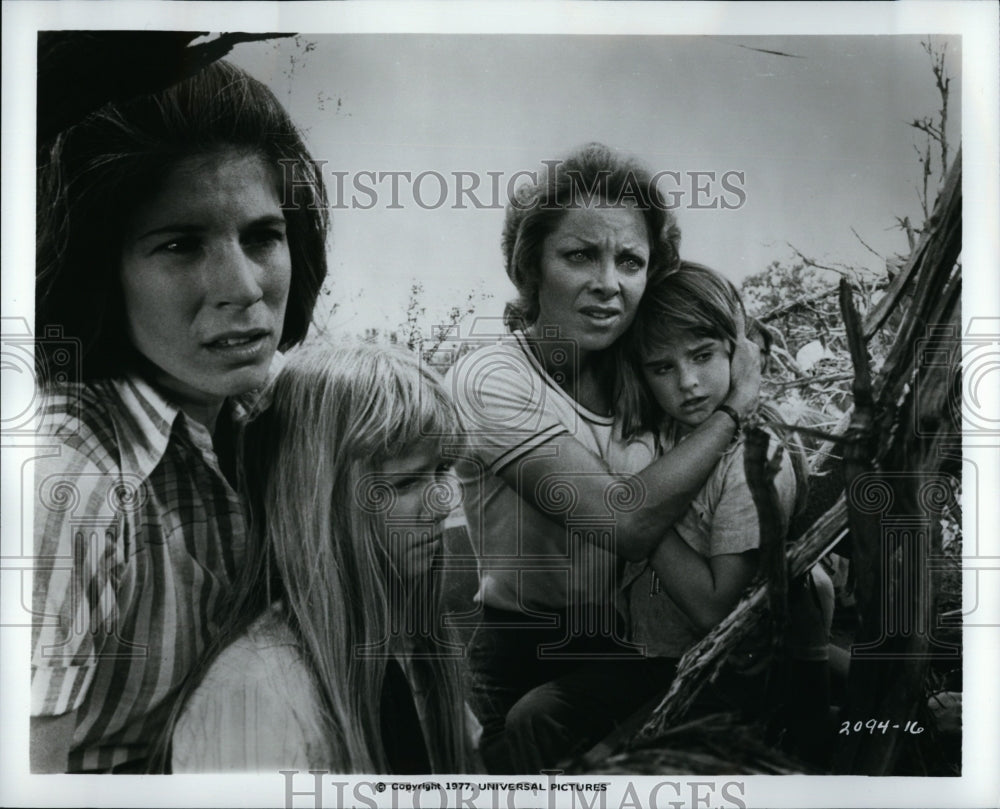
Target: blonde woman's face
425, 492
593, 273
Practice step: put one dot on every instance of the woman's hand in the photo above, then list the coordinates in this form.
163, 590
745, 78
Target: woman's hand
744, 373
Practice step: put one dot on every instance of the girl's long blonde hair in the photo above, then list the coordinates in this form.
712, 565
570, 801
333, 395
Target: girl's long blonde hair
316, 540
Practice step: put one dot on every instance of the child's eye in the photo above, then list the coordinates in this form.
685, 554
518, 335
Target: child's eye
444, 468
406, 483
703, 356
661, 370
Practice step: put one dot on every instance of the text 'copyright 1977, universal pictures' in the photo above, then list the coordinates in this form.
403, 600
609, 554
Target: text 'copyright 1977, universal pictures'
316, 788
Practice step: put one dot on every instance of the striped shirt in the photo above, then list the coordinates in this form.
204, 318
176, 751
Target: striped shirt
138, 538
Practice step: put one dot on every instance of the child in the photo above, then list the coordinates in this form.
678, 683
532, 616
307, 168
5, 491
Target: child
680, 346
338, 660
678, 354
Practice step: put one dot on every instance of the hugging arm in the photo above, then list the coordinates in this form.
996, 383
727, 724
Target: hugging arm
665, 488
706, 589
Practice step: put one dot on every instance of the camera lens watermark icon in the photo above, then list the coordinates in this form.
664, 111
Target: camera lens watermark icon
501, 388
908, 560
22, 378
974, 361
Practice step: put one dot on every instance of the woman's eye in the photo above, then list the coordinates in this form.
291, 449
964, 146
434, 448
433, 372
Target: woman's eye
577, 256
632, 263
265, 238
179, 247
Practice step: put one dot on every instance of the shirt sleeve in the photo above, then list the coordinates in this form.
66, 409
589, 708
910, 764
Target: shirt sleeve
735, 527
502, 404
77, 533
255, 711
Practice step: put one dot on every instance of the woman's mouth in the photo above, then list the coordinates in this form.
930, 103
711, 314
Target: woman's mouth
239, 345
600, 314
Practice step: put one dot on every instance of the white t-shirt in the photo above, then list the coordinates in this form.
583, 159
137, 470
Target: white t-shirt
256, 710
510, 406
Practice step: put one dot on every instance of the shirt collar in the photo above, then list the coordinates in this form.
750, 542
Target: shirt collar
146, 424
149, 419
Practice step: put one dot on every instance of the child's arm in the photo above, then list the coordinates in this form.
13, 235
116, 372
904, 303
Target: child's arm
705, 588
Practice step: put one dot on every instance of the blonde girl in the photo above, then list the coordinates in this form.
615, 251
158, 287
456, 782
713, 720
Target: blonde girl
338, 659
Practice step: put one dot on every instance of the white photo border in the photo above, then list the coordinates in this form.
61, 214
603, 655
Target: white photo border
975, 22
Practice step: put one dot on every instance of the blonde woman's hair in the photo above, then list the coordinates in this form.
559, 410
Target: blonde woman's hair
316, 540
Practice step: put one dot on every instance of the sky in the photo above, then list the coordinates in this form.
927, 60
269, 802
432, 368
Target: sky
813, 131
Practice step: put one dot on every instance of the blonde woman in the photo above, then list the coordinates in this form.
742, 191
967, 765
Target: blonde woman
338, 660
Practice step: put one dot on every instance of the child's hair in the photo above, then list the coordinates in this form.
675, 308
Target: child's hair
315, 539
693, 300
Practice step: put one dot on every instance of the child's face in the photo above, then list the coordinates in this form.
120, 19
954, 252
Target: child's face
425, 493
689, 377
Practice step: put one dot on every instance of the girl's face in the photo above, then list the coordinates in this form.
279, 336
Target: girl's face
689, 378
593, 273
425, 491
205, 270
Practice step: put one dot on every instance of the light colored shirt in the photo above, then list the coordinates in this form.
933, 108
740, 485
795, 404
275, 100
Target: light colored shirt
722, 519
256, 710
138, 539
510, 406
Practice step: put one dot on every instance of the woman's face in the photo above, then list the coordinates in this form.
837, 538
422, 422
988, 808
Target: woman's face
205, 271
424, 488
593, 273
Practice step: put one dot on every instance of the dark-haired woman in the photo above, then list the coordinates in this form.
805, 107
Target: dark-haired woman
172, 250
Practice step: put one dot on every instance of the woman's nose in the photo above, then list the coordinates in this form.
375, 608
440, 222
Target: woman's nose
605, 278
236, 279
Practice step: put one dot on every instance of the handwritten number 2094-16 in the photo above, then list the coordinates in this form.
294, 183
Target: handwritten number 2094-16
875, 726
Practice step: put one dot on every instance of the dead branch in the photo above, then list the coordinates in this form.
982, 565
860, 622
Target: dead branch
866, 245
892, 535
759, 473
813, 380
701, 662
791, 306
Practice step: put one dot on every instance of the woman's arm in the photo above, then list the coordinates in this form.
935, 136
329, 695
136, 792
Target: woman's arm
661, 492
706, 589
652, 499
